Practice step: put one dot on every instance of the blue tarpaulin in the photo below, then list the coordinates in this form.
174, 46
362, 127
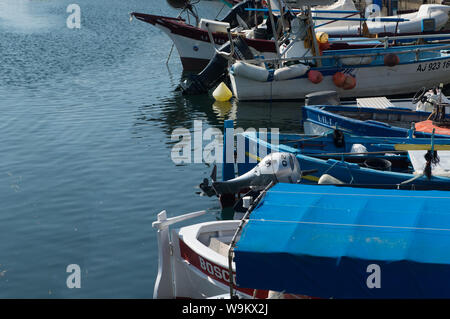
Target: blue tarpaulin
341, 242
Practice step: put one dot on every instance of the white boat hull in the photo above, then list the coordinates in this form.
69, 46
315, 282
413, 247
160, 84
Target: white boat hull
370, 81
189, 268
195, 54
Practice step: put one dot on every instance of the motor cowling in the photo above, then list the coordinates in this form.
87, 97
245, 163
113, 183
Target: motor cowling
275, 167
216, 70
430, 100
239, 10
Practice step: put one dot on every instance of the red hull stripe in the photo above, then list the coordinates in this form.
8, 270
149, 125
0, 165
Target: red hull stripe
180, 27
213, 270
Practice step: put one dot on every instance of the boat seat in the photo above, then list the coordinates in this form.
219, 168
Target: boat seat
218, 246
374, 102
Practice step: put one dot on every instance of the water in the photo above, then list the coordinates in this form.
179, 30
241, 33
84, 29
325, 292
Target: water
86, 120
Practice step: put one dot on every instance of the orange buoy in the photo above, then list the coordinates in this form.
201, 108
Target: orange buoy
315, 76
391, 59
349, 82
338, 79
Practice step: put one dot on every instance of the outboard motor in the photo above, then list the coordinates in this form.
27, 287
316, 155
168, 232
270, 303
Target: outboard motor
238, 12
216, 70
433, 101
275, 167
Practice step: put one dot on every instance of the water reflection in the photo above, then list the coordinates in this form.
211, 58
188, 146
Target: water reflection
180, 110
225, 110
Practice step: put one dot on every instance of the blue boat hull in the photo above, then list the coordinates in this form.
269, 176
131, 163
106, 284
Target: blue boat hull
322, 117
345, 171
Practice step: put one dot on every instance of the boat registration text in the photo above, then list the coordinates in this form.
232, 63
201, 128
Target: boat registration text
433, 66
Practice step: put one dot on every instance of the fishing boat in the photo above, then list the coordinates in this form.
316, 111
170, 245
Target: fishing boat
378, 116
332, 158
352, 73
302, 66
193, 260
429, 17
371, 161
317, 119
340, 242
325, 242
193, 42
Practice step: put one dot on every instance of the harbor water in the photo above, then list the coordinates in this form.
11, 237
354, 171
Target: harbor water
85, 137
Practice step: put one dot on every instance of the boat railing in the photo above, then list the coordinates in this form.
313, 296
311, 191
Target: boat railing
222, 53
397, 37
417, 51
163, 222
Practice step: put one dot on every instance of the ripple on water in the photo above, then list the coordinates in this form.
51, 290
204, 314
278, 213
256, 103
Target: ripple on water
87, 117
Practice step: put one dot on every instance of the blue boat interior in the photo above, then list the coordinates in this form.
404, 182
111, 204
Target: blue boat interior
339, 155
399, 117
406, 54
365, 121
334, 145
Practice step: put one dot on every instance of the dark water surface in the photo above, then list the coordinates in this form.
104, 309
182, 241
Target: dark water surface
86, 120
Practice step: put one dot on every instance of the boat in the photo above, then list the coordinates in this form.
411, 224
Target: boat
352, 73
435, 15
345, 19
311, 241
303, 66
331, 158
356, 160
192, 41
362, 73
194, 46
378, 116
340, 242
343, 167
193, 260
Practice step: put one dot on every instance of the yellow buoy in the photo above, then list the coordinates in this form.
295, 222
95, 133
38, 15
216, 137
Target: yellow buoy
322, 37
222, 93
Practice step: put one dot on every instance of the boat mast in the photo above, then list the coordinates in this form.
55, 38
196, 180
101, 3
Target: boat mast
275, 35
312, 33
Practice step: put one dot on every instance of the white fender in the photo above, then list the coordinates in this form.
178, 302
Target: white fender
250, 71
328, 179
290, 72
